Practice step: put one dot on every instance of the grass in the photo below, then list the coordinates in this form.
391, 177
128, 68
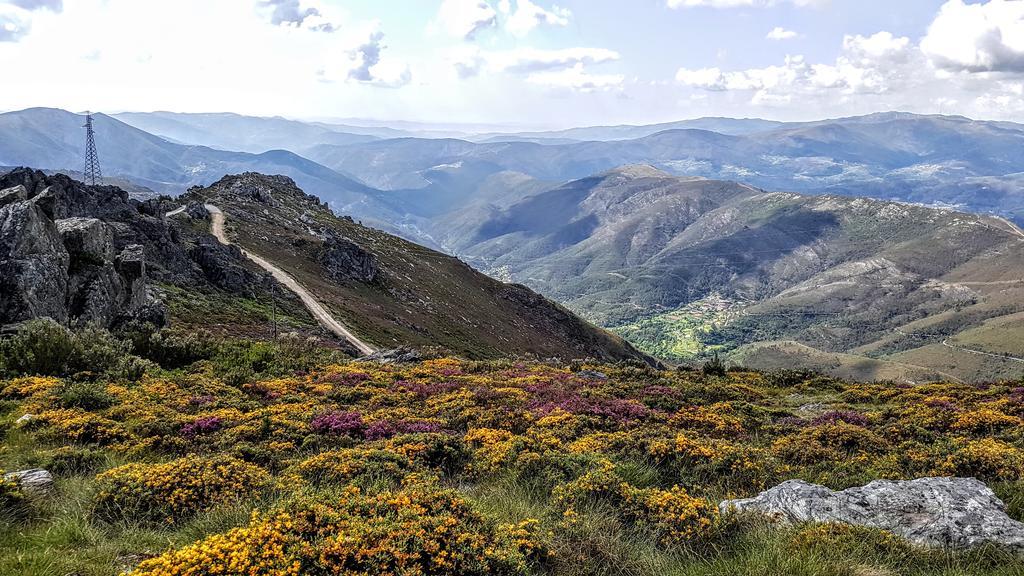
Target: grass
233, 315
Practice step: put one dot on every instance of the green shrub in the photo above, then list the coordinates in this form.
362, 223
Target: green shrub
168, 348
44, 347
73, 460
85, 395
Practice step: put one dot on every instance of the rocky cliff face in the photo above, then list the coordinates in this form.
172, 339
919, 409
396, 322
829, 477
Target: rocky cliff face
70, 269
33, 261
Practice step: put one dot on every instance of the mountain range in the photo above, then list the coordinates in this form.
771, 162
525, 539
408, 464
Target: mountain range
751, 238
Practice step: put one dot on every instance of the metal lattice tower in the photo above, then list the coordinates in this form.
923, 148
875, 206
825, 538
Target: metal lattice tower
92, 159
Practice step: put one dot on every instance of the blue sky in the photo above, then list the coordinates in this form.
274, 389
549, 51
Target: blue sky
523, 63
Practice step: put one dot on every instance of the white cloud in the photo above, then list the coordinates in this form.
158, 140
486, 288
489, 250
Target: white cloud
576, 78
780, 33
465, 18
366, 65
564, 68
526, 60
867, 65
16, 16
741, 3
306, 14
526, 16
985, 37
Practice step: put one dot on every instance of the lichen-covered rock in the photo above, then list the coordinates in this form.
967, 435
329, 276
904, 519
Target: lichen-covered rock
13, 194
345, 260
222, 266
33, 265
933, 512
87, 238
33, 482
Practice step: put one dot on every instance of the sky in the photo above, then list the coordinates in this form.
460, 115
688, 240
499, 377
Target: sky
517, 63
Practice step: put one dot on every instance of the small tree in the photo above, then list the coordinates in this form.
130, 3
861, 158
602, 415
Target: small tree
714, 367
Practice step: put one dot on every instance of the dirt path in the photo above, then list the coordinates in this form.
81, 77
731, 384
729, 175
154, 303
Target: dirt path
315, 308
1013, 227
945, 342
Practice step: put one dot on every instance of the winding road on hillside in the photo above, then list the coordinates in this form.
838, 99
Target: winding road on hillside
945, 342
312, 304
1013, 227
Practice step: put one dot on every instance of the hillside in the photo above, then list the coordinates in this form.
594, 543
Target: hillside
391, 292
685, 266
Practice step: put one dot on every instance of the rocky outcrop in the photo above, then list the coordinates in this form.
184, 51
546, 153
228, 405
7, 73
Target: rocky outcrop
33, 482
60, 259
344, 260
222, 266
933, 512
33, 264
13, 194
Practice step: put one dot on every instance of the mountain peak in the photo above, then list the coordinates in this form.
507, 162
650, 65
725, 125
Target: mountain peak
270, 190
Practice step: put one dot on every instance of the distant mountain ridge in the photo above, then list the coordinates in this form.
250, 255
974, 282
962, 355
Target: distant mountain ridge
932, 160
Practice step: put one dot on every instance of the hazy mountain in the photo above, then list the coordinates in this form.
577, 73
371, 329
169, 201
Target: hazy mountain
973, 165
239, 133
675, 262
53, 139
731, 126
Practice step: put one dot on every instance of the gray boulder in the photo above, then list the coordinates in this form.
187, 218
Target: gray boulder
13, 194
932, 512
87, 238
33, 265
33, 482
345, 260
131, 265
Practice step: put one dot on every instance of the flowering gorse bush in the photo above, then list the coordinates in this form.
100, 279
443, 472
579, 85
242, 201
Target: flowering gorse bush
415, 530
176, 489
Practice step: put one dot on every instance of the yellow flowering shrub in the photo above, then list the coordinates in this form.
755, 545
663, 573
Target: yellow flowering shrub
833, 536
673, 514
11, 496
176, 489
986, 458
717, 419
417, 530
984, 420
266, 547
81, 427
345, 465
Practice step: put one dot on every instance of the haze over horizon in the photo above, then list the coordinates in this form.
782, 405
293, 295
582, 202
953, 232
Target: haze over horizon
519, 63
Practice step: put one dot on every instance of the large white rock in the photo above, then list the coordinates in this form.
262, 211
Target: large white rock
34, 481
933, 512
